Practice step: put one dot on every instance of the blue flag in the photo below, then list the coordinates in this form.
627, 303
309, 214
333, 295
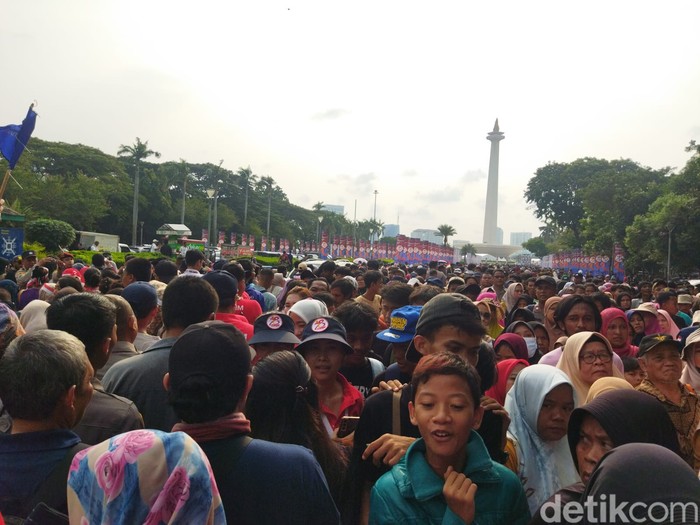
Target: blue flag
14, 138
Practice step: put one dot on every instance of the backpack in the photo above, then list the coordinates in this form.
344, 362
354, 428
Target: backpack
40, 508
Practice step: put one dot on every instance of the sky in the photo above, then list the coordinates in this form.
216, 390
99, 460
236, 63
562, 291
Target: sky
336, 100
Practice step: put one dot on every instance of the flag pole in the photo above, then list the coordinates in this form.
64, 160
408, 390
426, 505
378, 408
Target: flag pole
8, 174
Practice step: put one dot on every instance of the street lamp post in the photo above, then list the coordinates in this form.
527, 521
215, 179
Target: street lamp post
184, 198
269, 207
668, 257
318, 230
374, 226
141, 224
210, 195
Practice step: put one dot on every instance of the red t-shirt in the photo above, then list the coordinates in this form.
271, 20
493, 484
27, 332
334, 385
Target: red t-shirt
239, 322
351, 405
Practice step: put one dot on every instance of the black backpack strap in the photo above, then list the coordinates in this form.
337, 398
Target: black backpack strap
52, 490
235, 452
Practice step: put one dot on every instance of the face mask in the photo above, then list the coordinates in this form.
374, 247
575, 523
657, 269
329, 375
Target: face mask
531, 343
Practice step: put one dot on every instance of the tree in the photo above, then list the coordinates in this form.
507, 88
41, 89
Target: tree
135, 154
246, 178
536, 245
446, 231
467, 249
50, 233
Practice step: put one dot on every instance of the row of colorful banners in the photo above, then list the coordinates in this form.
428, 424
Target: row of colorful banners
596, 265
406, 250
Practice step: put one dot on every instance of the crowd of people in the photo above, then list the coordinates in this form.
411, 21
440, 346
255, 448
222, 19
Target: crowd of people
189, 391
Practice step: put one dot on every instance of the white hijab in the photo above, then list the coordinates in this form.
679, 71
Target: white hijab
309, 309
691, 374
543, 467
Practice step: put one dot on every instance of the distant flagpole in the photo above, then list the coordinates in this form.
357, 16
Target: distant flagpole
13, 141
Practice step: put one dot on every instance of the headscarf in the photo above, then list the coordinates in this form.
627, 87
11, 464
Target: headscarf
554, 331
11, 287
627, 416
516, 342
569, 363
494, 328
309, 309
522, 313
509, 297
691, 373
625, 472
607, 384
504, 368
33, 317
143, 476
544, 467
610, 314
512, 326
648, 312
10, 327
673, 329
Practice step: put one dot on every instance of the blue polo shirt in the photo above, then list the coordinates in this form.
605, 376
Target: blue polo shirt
28, 458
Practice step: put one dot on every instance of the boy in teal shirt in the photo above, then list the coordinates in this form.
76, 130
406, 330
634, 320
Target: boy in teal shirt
447, 476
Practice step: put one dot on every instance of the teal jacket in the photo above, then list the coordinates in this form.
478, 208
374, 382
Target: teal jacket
411, 492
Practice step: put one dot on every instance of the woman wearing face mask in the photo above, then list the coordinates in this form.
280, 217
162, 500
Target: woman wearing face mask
523, 329
587, 357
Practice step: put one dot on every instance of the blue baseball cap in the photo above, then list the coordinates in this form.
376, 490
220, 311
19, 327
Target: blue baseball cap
402, 325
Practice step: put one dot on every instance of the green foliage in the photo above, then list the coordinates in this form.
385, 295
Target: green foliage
446, 231
537, 245
52, 234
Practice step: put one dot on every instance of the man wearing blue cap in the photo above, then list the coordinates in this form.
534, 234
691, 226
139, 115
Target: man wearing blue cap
402, 328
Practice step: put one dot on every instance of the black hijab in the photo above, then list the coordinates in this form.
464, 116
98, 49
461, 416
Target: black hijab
627, 416
646, 473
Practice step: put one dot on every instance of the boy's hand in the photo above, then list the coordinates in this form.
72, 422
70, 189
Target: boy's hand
393, 384
459, 492
387, 449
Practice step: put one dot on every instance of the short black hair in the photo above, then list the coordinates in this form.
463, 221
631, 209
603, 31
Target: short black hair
192, 257
356, 317
140, 268
422, 294
92, 277
373, 276
188, 300
397, 293
88, 316
444, 364
98, 260
345, 286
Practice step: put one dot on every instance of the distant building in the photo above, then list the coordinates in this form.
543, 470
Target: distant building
499, 235
518, 238
391, 230
334, 208
431, 235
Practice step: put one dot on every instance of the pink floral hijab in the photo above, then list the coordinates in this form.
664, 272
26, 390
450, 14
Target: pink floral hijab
143, 477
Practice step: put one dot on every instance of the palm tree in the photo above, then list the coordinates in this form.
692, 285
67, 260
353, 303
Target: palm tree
318, 207
269, 182
446, 231
467, 249
136, 153
247, 178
